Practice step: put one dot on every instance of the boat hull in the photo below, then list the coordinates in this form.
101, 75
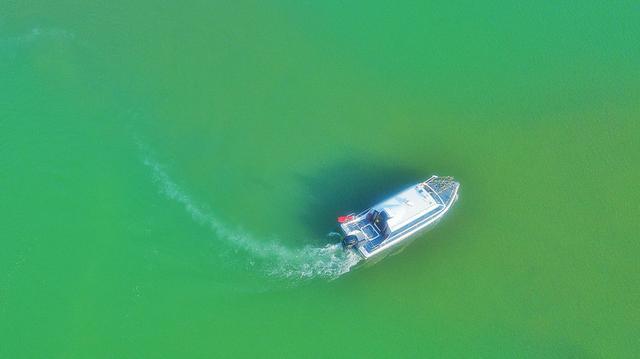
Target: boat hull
405, 232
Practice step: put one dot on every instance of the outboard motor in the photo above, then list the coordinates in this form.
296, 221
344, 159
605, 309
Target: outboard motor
349, 241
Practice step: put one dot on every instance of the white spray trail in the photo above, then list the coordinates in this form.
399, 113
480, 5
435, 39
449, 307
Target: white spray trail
11, 46
330, 261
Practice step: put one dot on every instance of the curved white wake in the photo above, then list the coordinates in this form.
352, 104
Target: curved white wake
277, 260
11, 46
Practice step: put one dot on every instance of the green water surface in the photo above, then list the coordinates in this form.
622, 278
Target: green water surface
170, 171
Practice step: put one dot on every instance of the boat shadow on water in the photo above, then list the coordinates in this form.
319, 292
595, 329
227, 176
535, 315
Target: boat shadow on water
347, 187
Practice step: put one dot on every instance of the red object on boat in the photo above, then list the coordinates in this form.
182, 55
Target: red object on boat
343, 219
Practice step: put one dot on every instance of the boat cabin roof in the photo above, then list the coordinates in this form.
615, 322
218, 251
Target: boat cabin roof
406, 206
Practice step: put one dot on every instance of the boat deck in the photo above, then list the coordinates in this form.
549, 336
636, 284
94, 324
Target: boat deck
373, 244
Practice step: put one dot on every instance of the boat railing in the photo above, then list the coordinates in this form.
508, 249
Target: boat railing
439, 185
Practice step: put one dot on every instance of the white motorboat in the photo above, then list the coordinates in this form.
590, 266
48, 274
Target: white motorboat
398, 218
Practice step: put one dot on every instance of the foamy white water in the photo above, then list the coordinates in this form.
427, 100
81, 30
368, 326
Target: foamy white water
273, 258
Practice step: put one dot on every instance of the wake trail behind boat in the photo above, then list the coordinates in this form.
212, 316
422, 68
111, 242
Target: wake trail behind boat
272, 258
